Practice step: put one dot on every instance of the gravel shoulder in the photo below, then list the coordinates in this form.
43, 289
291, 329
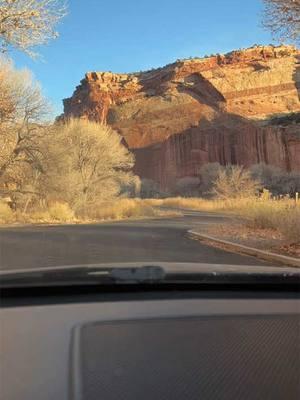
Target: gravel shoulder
235, 230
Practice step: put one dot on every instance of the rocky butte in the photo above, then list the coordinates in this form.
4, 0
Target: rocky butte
186, 114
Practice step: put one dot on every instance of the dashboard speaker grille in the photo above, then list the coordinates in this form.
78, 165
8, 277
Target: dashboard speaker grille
253, 357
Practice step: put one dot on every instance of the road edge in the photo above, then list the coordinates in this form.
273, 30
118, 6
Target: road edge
235, 247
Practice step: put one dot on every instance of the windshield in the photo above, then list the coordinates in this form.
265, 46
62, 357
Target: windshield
149, 134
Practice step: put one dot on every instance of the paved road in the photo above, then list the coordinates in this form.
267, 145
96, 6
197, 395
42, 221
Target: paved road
131, 241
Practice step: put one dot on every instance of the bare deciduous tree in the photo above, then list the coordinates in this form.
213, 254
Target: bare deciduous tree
282, 18
78, 162
87, 163
25, 24
22, 109
234, 182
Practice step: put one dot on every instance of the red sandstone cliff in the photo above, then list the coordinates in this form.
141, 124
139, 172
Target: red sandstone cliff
191, 112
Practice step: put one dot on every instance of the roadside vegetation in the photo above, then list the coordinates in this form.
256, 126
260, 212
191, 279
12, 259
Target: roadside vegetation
114, 210
281, 215
240, 192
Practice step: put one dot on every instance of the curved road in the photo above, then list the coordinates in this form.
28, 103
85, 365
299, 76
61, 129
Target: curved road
130, 241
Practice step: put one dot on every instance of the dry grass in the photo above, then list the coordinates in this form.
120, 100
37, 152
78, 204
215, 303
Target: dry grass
199, 204
7, 216
280, 215
61, 212
259, 213
119, 209
289, 225
190, 203
56, 213
126, 208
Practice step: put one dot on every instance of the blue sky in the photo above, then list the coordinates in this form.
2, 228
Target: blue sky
134, 35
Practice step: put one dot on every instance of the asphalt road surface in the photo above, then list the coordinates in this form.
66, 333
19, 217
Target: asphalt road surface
130, 241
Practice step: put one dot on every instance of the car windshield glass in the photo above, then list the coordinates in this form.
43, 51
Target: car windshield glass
142, 138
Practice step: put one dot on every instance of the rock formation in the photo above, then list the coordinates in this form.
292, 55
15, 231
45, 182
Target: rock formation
191, 112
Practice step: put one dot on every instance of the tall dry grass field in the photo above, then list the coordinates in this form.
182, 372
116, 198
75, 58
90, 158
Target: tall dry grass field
281, 215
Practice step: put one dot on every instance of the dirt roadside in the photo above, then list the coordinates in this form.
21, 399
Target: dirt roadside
236, 230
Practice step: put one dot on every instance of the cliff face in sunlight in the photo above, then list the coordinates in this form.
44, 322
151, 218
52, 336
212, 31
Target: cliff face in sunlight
191, 112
